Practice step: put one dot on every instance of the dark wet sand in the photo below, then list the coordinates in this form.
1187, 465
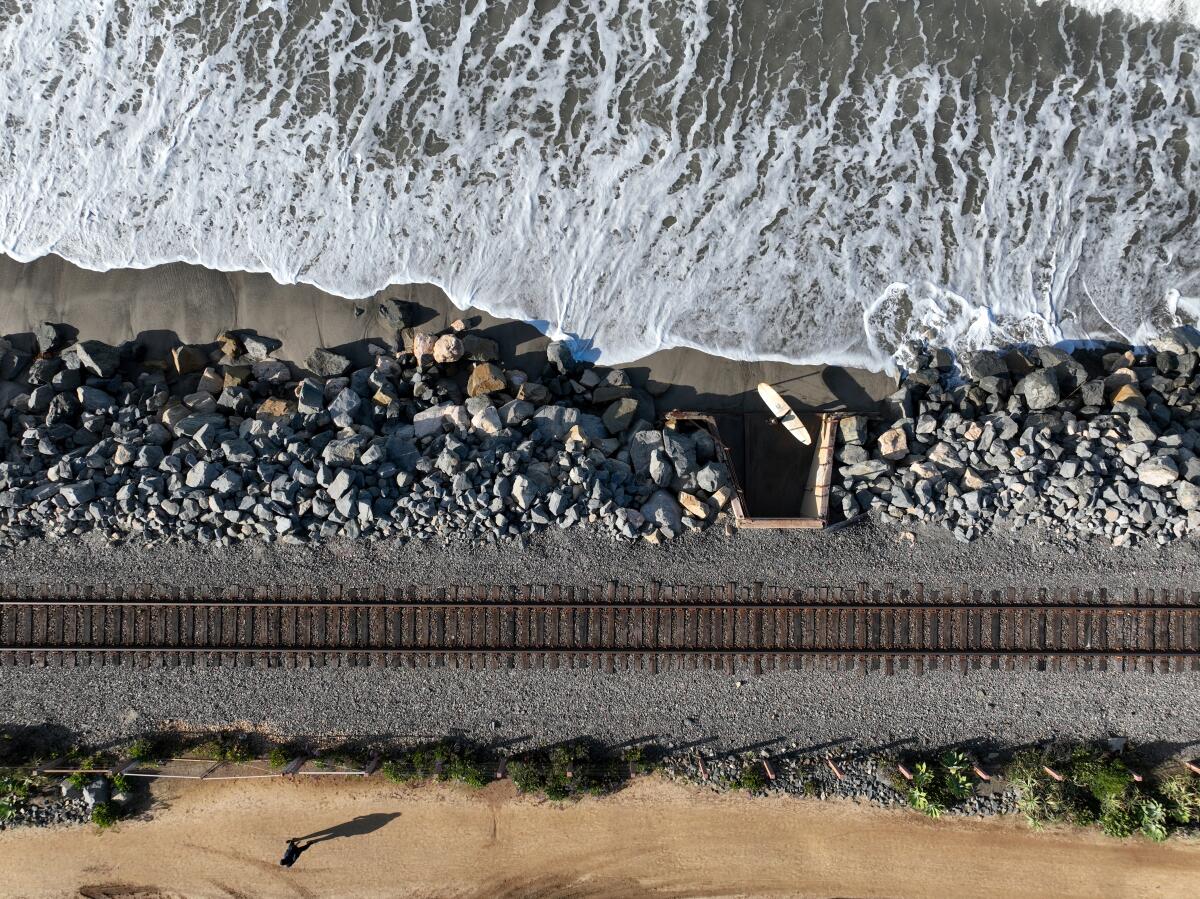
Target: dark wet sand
192, 303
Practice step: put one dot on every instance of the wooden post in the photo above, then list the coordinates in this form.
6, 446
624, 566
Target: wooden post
502, 768
904, 772
1054, 774
767, 767
1195, 769
700, 765
1137, 778
981, 774
293, 767
212, 768
834, 768
373, 765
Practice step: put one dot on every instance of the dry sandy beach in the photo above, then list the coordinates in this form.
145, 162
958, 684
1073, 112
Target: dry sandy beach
653, 839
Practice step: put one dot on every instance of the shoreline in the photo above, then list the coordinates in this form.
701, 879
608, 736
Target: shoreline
191, 304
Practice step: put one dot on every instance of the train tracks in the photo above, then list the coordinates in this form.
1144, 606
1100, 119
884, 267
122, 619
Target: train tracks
611, 627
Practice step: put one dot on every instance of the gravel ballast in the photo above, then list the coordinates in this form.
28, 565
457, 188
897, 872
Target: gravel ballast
780, 709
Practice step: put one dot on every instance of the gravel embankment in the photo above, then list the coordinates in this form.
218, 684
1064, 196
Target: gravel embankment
781, 710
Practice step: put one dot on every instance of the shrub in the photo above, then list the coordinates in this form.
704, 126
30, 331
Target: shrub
120, 784
7, 810
443, 761
1099, 788
568, 771
1182, 795
104, 814
279, 756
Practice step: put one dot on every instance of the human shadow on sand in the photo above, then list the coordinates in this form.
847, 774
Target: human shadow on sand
357, 827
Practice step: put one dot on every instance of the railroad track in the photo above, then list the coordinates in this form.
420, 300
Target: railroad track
611, 627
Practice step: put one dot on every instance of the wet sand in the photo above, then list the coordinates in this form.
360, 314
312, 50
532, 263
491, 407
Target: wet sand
653, 839
191, 303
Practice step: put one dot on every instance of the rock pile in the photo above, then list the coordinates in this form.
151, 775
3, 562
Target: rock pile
435, 439
1099, 441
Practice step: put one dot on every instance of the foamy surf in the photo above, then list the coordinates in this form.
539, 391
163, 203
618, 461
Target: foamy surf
812, 183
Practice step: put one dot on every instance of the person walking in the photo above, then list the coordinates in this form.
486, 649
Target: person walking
292, 852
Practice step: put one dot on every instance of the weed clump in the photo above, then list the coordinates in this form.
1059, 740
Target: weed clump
105, 814
571, 770
938, 786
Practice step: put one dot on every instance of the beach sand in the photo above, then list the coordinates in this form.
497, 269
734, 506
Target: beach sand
655, 838
192, 304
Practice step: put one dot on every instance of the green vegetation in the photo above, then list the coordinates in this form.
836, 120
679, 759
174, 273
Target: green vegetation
442, 761
7, 810
105, 814
146, 749
15, 786
569, 771
279, 756
120, 784
936, 787
752, 778
1099, 789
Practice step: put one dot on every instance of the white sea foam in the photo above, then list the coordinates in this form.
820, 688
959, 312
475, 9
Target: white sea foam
767, 179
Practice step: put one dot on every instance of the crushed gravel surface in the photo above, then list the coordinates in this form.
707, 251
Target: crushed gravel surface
862, 551
793, 710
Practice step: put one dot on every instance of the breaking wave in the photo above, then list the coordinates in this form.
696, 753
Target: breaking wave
806, 180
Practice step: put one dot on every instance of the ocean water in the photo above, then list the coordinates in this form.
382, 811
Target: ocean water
806, 180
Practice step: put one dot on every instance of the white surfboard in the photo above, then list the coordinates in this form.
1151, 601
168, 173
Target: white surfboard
780, 408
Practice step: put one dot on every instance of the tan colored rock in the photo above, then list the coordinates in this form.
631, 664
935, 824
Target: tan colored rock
229, 344
485, 378
458, 325
236, 375
447, 348
972, 481
385, 395
212, 381
693, 505
277, 407
893, 444
1128, 393
723, 496
422, 346
576, 440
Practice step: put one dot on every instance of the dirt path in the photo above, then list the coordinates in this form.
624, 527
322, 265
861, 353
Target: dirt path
655, 838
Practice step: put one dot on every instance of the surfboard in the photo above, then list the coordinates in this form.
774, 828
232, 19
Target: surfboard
780, 408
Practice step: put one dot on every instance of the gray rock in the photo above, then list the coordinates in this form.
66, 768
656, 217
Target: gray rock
1040, 389
559, 355
515, 412
664, 512
78, 494
853, 429
98, 357
325, 363
682, 451
345, 408
310, 397
619, 416
660, 467
258, 348
712, 477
